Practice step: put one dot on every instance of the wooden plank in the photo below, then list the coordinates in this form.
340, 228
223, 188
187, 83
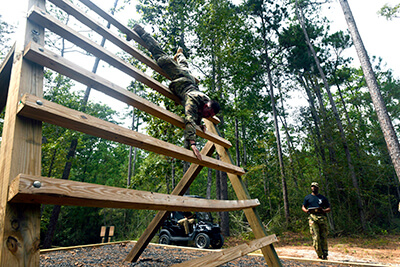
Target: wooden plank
106, 33
111, 19
5, 75
161, 216
40, 17
226, 255
103, 231
50, 191
254, 220
53, 61
21, 152
40, 109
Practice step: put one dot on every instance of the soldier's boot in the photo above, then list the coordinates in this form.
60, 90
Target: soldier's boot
139, 30
178, 52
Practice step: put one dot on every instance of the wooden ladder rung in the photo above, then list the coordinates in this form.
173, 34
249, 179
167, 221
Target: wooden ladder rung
44, 57
43, 190
43, 110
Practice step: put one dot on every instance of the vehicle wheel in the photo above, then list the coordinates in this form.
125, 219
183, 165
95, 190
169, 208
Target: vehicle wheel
218, 242
164, 239
202, 240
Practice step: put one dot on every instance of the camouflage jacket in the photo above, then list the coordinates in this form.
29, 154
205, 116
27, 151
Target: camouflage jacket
193, 100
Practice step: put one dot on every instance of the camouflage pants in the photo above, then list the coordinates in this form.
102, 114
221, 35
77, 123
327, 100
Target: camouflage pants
174, 69
319, 232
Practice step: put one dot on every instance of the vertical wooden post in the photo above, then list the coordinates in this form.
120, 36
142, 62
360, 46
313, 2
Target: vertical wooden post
254, 220
21, 153
110, 233
103, 233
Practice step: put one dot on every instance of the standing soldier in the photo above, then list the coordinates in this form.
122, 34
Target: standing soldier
317, 206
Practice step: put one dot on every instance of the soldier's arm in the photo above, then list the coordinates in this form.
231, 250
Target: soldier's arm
190, 128
304, 209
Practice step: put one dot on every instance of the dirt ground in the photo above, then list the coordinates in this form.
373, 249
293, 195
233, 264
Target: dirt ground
373, 250
294, 250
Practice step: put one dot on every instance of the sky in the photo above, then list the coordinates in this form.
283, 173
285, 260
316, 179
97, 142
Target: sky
381, 37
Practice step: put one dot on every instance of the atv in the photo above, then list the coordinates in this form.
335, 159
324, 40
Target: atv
203, 232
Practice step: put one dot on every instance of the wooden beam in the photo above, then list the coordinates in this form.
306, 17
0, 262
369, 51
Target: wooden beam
254, 220
5, 76
106, 33
226, 255
111, 19
50, 191
161, 216
51, 60
40, 109
21, 153
40, 17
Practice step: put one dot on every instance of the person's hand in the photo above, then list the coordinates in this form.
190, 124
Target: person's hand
196, 152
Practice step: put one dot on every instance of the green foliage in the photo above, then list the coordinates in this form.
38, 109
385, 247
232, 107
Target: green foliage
231, 48
389, 12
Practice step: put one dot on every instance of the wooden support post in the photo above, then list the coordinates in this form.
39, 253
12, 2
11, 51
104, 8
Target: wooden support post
103, 233
160, 217
21, 153
110, 233
241, 192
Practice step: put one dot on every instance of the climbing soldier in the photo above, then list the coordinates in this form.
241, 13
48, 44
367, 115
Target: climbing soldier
197, 104
317, 206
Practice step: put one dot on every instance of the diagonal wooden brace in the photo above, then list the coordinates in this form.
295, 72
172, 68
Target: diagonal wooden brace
161, 216
241, 192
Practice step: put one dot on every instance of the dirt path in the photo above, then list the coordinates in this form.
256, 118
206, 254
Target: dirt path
356, 254
373, 250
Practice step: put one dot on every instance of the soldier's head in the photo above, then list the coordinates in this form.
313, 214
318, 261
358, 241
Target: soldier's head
210, 109
314, 187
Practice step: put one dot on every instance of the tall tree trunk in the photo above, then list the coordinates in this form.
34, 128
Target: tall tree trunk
173, 174
338, 121
385, 122
237, 142
57, 208
209, 183
130, 171
277, 135
292, 152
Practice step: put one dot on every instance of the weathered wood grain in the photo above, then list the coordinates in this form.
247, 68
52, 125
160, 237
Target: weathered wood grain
40, 109
252, 216
108, 34
21, 152
50, 191
161, 216
40, 17
51, 60
226, 255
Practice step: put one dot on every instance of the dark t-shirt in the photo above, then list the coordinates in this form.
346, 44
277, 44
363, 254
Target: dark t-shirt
318, 201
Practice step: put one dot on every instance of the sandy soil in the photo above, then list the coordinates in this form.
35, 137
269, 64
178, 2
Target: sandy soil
377, 250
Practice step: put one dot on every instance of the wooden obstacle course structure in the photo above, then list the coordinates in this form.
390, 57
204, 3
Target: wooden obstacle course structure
22, 187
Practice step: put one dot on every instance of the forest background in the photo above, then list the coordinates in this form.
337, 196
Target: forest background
250, 56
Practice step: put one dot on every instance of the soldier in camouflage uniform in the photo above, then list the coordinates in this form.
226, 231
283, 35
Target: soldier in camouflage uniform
317, 206
197, 104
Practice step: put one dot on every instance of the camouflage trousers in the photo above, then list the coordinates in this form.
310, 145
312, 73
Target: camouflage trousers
174, 69
319, 232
